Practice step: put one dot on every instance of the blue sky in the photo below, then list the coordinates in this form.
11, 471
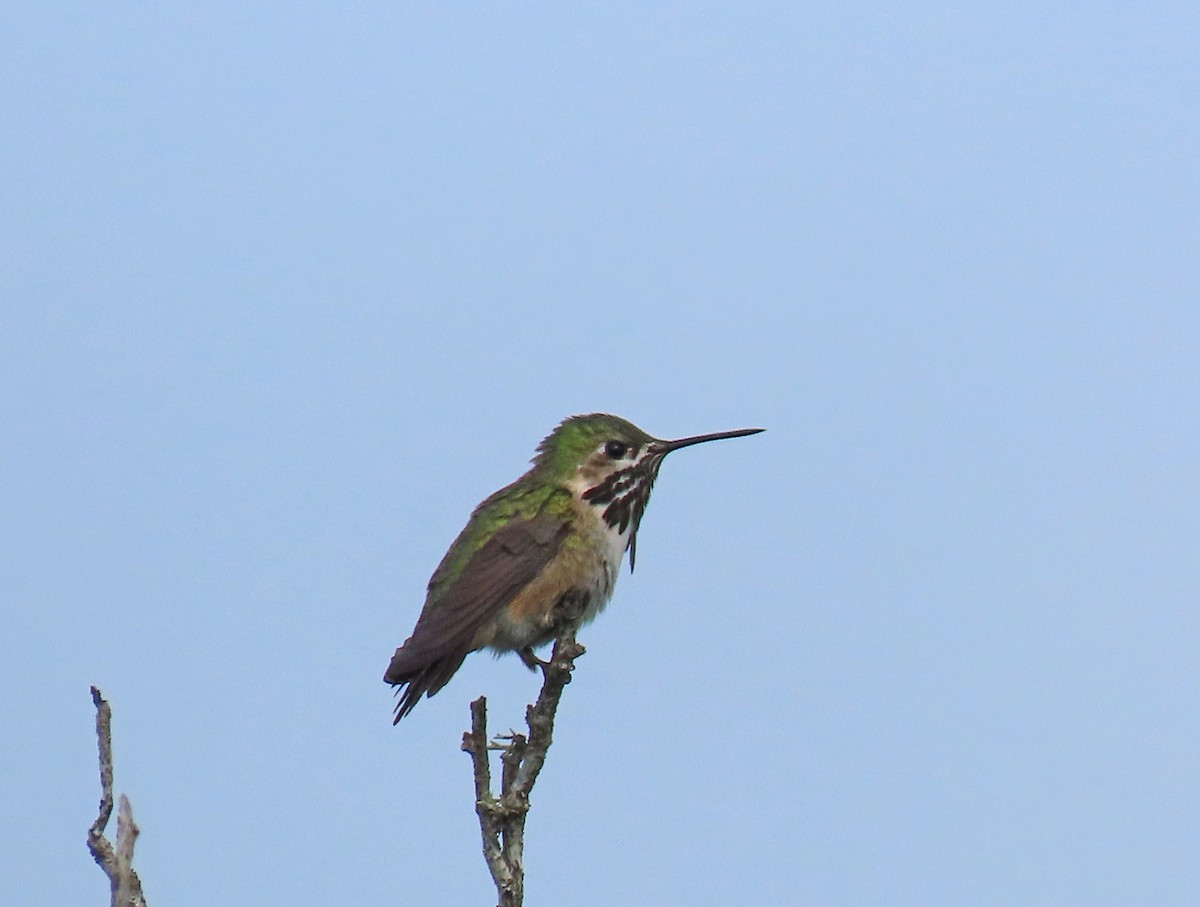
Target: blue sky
285, 291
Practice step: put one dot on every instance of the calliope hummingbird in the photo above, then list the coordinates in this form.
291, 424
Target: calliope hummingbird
559, 531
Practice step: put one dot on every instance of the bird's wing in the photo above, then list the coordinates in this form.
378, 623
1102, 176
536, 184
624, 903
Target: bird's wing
457, 608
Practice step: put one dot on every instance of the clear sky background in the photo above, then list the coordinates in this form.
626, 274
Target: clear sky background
286, 290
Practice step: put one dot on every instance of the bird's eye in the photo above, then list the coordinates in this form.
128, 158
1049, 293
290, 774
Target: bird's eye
616, 449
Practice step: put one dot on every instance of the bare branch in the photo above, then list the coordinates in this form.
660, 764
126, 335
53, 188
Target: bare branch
475, 742
502, 819
116, 861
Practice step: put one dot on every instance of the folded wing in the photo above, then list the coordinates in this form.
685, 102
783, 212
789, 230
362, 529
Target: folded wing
457, 609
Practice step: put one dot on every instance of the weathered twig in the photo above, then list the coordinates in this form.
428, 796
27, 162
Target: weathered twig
502, 818
116, 861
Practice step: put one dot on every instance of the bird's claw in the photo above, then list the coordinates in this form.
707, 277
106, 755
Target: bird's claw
530, 660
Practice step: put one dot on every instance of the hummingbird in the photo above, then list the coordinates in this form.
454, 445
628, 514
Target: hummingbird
559, 532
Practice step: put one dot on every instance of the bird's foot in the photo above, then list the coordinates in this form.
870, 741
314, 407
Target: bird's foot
568, 610
530, 660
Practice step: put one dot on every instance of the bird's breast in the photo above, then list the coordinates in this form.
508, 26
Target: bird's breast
588, 562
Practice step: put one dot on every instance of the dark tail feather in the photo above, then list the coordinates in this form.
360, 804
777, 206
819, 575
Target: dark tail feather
421, 679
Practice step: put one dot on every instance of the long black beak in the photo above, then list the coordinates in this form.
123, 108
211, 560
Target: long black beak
668, 446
